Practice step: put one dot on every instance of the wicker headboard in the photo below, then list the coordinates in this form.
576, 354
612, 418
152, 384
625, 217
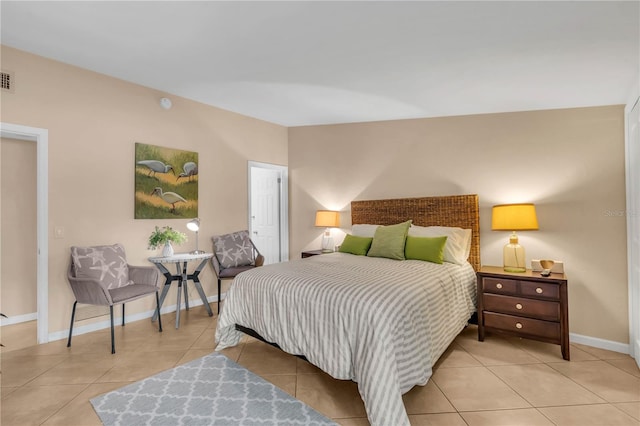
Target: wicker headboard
453, 210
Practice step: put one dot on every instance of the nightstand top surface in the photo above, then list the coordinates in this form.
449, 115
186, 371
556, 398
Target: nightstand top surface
313, 252
498, 270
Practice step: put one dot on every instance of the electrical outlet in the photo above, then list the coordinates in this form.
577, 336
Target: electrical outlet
58, 232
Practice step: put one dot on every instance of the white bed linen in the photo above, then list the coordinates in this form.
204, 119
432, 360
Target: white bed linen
382, 323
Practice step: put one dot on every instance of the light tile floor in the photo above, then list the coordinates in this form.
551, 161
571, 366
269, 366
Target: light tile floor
501, 381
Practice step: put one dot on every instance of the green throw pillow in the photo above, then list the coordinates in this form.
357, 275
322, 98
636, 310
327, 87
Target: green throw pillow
388, 241
430, 249
355, 245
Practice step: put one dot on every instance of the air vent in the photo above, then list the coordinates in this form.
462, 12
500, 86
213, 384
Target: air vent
7, 80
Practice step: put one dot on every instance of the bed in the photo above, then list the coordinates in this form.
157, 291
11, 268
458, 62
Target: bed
380, 322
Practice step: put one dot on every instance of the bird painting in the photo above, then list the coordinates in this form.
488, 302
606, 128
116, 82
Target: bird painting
190, 169
156, 166
166, 182
169, 197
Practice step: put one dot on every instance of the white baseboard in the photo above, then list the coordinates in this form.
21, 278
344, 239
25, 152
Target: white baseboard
17, 319
77, 330
82, 329
599, 343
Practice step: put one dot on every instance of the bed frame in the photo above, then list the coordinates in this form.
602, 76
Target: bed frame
452, 210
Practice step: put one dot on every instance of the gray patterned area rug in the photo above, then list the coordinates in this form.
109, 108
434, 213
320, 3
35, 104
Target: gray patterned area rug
212, 390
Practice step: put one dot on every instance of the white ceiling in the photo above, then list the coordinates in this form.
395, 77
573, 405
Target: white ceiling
301, 62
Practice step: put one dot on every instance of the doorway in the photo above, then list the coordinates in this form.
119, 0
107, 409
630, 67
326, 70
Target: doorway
40, 137
268, 210
19, 243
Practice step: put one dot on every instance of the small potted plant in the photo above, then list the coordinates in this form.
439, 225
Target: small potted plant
163, 237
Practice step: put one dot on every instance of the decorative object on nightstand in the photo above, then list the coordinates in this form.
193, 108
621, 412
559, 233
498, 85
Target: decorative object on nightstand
514, 217
557, 268
527, 305
327, 219
194, 225
547, 265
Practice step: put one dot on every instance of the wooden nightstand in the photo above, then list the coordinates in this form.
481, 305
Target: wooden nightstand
310, 253
524, 304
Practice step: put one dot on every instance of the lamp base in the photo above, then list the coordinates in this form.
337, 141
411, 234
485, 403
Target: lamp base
513, 256
327, 242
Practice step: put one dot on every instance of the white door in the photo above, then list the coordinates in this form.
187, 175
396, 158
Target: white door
267, 210
633, 226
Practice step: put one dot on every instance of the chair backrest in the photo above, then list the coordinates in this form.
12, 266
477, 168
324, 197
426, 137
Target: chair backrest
234, 249
107, 264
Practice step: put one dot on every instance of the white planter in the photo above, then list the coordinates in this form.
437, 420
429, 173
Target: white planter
167, 250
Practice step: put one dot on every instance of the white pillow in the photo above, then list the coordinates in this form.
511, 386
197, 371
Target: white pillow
458, 245
364, 230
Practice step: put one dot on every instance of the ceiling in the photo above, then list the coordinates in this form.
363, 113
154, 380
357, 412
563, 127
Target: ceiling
318, 62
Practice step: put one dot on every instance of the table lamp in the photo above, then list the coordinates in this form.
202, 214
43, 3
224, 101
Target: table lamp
194, 225
327, 219
514, 217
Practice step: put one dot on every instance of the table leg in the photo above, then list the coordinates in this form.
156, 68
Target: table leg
165, 288
179, 294
196, 283
185, 277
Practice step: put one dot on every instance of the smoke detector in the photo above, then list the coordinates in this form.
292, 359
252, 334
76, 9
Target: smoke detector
165, 103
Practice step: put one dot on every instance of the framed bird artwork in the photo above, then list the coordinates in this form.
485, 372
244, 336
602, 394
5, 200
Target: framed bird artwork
166, 182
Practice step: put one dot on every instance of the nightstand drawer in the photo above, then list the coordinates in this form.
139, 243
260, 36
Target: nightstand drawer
545, 290
500, 286
527, 326
539, 309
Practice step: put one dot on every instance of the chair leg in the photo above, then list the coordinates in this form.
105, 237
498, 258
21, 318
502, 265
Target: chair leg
158, 310
73, 315
219, 290
113, 338
123, 314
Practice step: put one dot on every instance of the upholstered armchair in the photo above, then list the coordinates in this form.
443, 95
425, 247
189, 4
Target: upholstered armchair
233, 253
100, 275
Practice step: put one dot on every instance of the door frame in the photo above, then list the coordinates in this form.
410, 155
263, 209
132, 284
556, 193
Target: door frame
284, 203
41, 138
632, 256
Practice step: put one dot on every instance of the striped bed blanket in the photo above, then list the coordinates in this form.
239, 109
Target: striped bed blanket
382, 323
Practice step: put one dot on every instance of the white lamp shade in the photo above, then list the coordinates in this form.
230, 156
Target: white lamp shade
194, 224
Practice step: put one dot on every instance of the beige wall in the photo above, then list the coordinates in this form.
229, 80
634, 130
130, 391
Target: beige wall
570, 163
19, 244
93, 122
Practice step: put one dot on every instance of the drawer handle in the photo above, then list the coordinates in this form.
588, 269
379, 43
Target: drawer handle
518, 306
498, 285
539, 290
518, 325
